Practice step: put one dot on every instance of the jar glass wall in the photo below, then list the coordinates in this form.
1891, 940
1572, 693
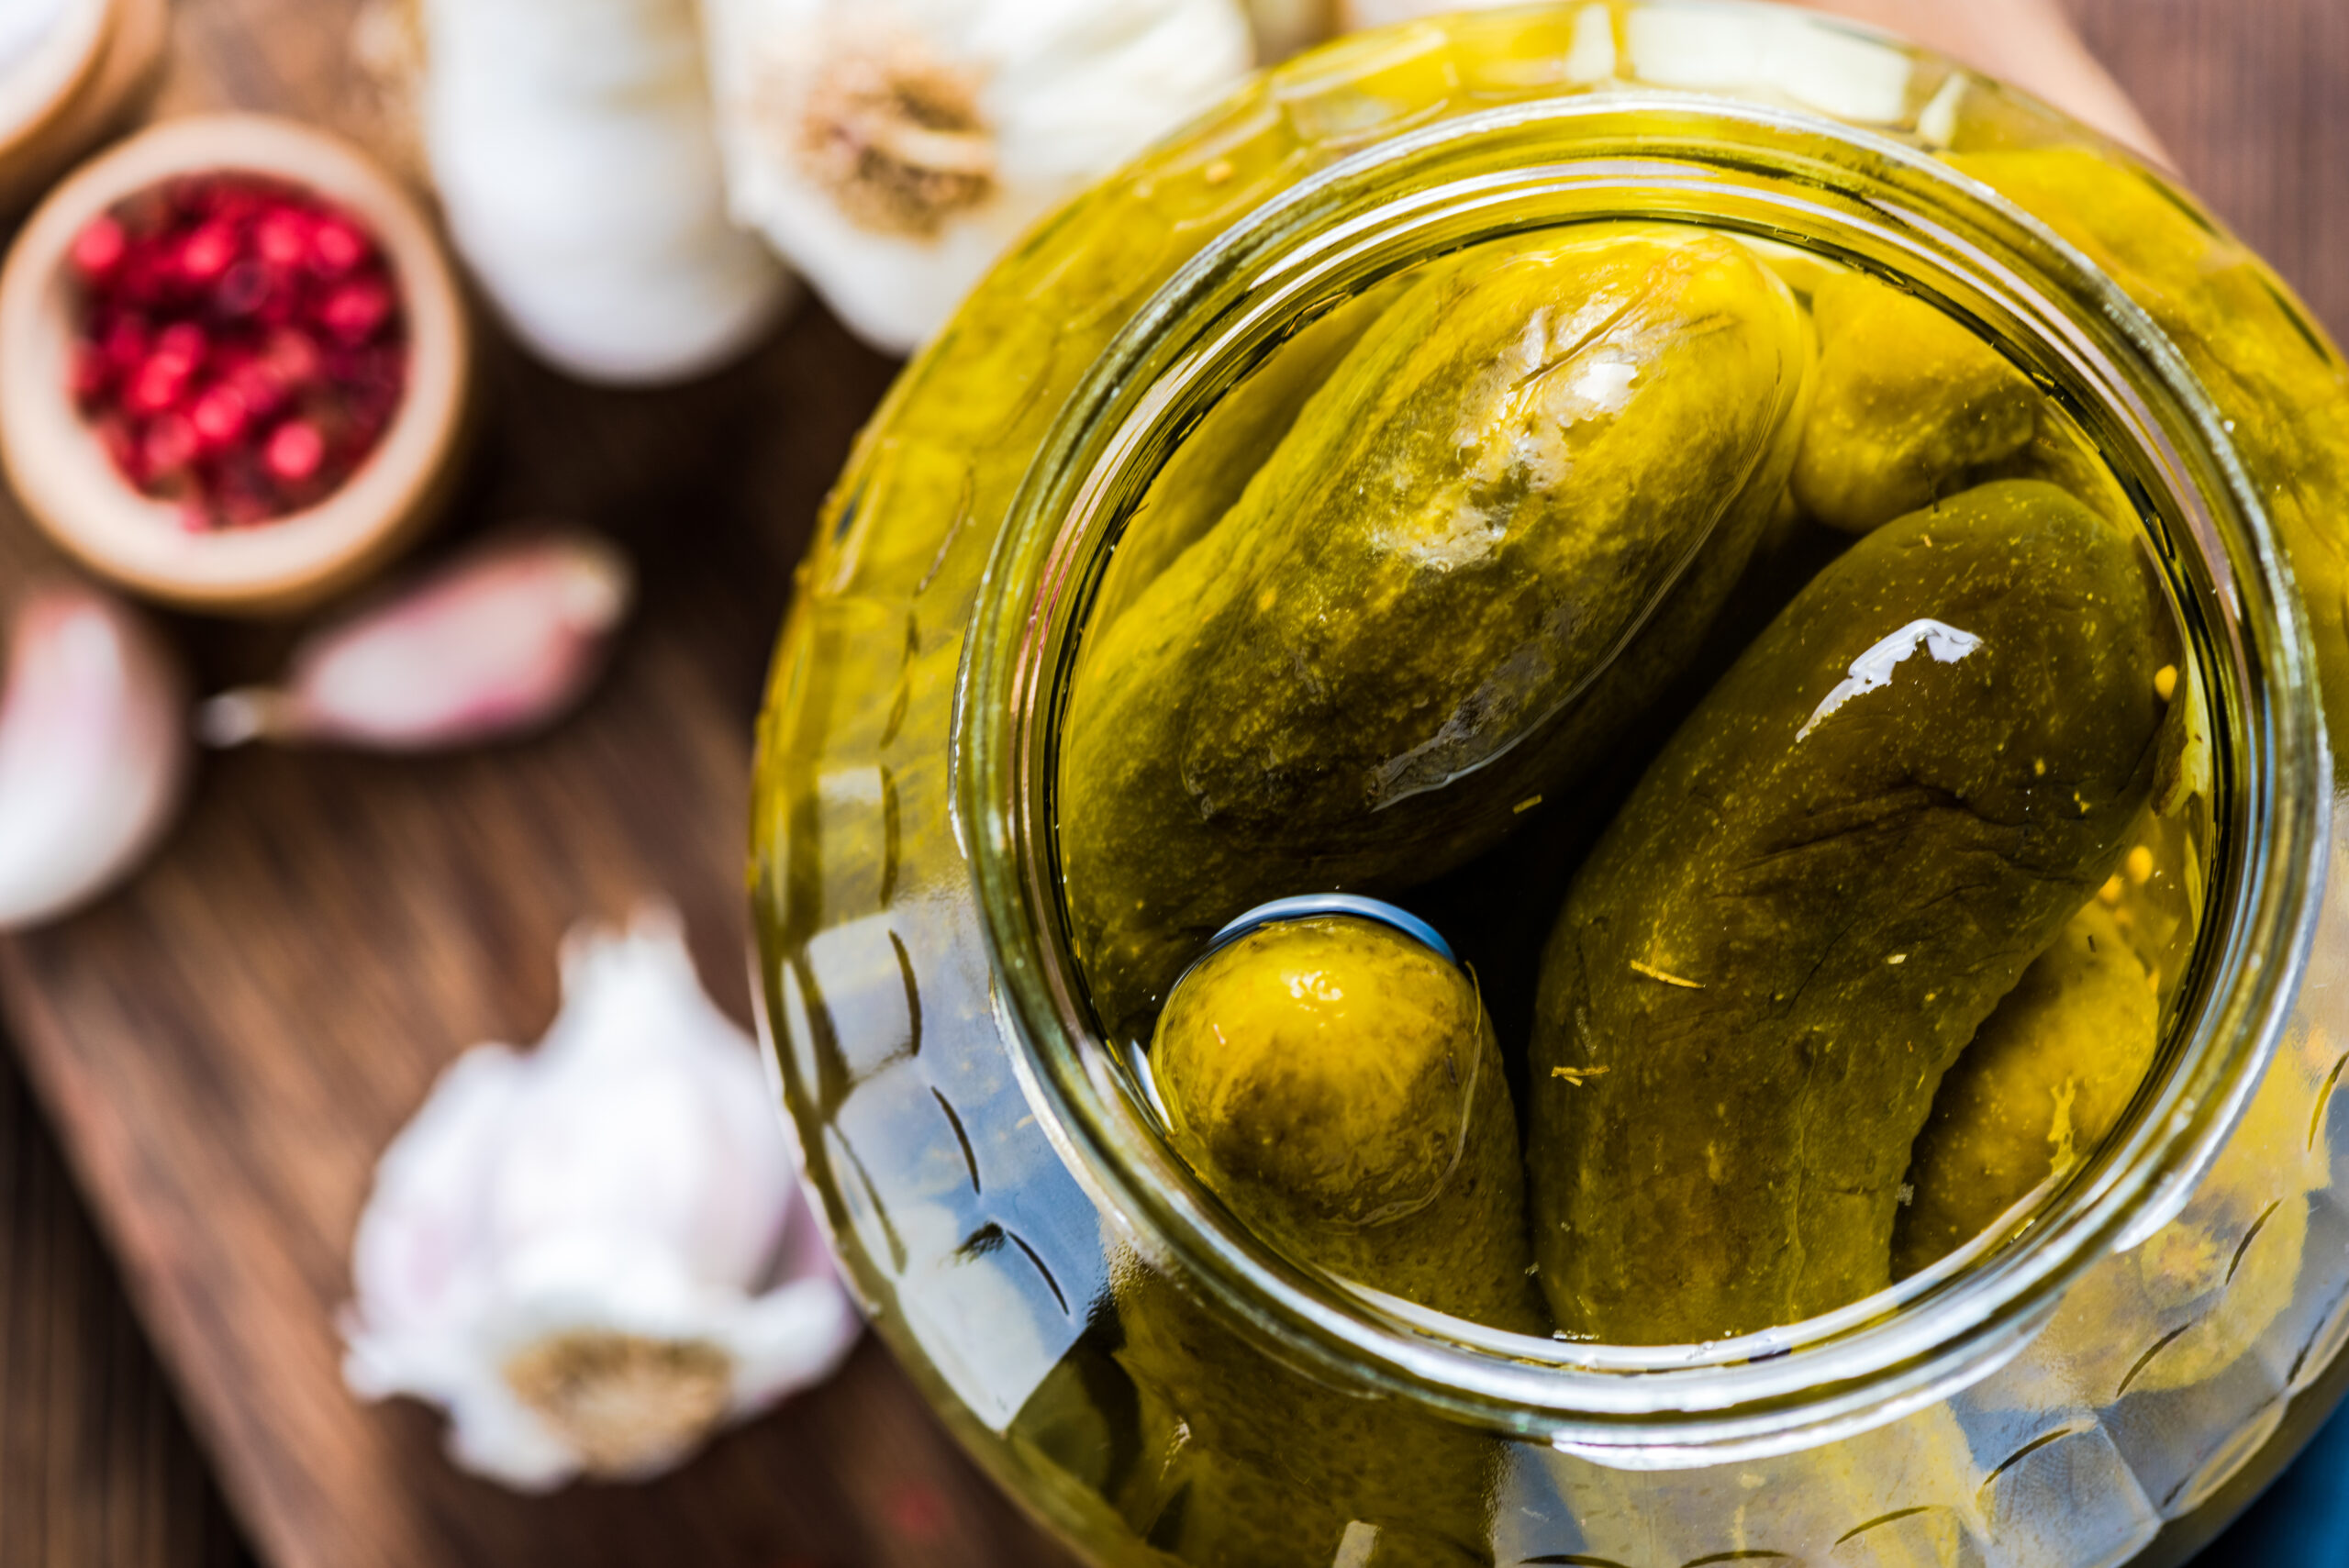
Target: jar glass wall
1153, 1380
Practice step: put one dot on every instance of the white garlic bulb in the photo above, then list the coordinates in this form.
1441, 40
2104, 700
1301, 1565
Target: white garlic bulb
94, 751
572, 145
594, 1254
892, 148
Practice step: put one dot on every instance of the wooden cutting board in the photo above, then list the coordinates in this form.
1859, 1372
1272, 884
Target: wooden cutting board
225, 1047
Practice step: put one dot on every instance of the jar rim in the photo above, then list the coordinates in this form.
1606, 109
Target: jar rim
1805, 1383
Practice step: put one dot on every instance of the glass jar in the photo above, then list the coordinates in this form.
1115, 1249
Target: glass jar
2104, 1384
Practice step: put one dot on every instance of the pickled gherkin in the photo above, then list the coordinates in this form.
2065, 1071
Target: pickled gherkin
1207, 472
1906, 402
2284, 385
1252, 1464
1842, 862
1337, 1082
1481, 543
2046, 1077
1488, 541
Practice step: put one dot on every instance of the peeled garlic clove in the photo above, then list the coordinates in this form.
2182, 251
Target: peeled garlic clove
891, 150
594, 1254
572, 145
500, 642
92, 751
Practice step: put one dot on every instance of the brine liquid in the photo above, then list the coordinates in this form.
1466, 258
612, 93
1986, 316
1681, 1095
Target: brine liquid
1497, 906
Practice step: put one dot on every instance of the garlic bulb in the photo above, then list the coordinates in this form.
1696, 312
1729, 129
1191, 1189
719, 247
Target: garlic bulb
24, 26
93, 750
892, 148
593, 1255
572, 144
501, 642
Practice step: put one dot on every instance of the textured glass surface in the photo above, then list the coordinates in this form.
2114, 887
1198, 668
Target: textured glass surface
1022, 1297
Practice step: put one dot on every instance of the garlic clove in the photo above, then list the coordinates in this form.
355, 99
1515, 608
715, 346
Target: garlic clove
892, 151
94, 757
415, 1263
501, 642
571, 146
594, 1254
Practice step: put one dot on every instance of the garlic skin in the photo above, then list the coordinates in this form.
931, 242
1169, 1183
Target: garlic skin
1283, 27
572, 144
891, 150
499, 643
94, 753
1355, 15
24, 26
594, 1254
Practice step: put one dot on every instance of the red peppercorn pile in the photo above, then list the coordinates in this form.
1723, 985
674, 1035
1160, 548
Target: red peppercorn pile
242, 345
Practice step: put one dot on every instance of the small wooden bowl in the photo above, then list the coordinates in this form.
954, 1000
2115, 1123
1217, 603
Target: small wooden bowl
96, 59
72, 489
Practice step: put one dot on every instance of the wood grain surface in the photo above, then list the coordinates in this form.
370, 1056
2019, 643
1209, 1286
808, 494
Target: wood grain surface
225, 1047
97, 1468
378, 915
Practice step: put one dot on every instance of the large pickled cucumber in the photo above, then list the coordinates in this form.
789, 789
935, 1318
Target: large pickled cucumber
1209, 469
2047, 1076
1905, 402
1839, 864
1337, 1082
1493, 534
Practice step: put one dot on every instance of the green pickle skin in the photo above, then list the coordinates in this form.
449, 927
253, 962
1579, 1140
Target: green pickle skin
1784, 940
1210, 470
1906, 401
1252, 1464
1488, 541
2045, 1081
2283, 386
1338, 1085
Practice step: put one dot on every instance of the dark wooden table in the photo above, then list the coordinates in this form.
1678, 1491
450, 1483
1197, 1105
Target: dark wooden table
713, 488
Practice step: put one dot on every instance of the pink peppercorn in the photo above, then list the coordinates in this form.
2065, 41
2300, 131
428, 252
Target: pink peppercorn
337, 247
170, 444
354, 311
219, 415
207, 252
292, 357
282, 238
295, 450
156, 386
182, 347
241, 348
98, 249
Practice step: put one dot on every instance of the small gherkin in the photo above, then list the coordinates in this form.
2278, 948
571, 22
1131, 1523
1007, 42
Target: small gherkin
1337, 1085
1337, 1082
1490, 539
